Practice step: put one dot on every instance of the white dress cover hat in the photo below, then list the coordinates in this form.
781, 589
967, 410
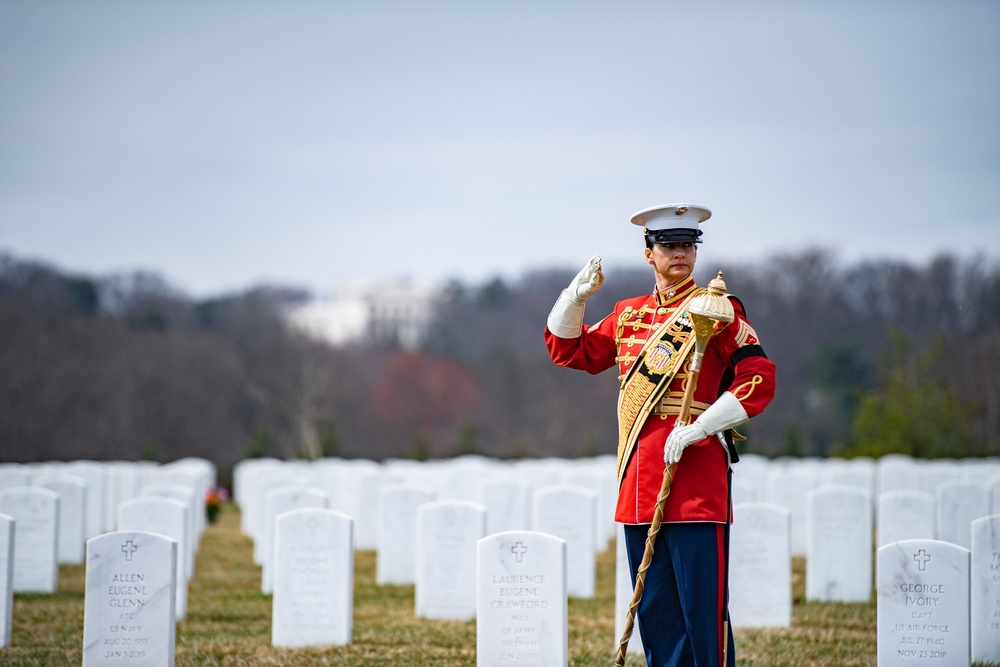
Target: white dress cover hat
672, 223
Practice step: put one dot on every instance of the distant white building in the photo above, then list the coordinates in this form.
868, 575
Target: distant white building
364, 314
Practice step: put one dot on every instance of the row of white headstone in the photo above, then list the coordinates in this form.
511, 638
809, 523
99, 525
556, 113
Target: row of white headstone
515, 581
106, 484
832, 500
49, 528
934, 499
957, 489
519, 589
838, 549
839, 544
833, 519
353, 487
937, 602
924, 592
414, 529
44, 510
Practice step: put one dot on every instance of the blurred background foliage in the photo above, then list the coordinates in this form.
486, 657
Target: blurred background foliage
872, 358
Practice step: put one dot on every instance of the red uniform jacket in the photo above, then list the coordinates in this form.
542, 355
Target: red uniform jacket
734, 361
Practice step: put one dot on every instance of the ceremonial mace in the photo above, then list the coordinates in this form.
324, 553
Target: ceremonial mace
706, 311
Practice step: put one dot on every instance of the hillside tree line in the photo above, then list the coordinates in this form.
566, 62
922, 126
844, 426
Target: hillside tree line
872, 358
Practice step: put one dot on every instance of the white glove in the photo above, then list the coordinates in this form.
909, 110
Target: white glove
588, 281
566, 318
726, 412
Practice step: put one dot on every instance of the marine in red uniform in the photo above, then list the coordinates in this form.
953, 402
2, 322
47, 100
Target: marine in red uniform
649, 339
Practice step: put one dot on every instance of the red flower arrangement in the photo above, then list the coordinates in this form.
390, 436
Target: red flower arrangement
214, 500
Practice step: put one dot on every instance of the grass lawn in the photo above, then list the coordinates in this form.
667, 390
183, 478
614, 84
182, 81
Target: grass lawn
229, 622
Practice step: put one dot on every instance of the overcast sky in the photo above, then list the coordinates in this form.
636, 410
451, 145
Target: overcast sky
225, 144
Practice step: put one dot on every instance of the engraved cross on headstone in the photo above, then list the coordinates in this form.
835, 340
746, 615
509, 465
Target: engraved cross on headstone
128, 549
519, 550
922, 558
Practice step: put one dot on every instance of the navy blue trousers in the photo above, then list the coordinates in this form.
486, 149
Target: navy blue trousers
684, 599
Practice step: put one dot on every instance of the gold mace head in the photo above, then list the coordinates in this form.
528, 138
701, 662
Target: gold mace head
710, 308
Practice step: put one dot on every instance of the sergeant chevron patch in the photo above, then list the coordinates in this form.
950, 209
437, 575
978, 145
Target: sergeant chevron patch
745, 335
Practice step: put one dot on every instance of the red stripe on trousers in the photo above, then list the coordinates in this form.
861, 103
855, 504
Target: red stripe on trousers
721, 615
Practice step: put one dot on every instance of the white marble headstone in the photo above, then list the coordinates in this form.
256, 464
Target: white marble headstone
413, 472
129, 601
6, 578
342, 480
521, 602
898, 472
623, 594
979, 469
923, 604
760, 566
959, 502
246, 476
14, 475
267, 480
72, 526
744, 491
365, 524
858, 473
985, 589
201, 466
123, 481
994, 484
447, 532
595, 481
508, 505
397, 532
241, 476
570, 513
244, 471
905, 514
313, 598
753, 469
194, 482
463, 478
185, 495
96, 478
540, 472
277, 501
167, 517
607, 501
36, 515
838, 556
788, 485
939, 471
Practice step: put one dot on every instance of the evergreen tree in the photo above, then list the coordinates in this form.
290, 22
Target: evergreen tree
914, 412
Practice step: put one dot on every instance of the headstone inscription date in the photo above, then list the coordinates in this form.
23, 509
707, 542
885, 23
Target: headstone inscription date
129, 618
923, 604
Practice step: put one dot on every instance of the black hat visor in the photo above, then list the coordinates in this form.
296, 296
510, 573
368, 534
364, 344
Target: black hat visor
681, 235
